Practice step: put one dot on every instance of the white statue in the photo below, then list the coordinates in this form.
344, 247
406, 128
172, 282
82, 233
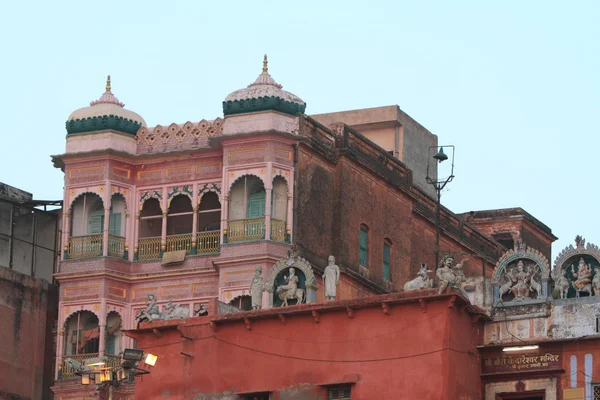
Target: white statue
331, 276
257, 288
290, 290
449, 276
583, 278
173, 311
420, 282
596, 281
562, 284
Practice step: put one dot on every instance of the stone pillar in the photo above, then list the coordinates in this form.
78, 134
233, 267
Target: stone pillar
163, 235
136, 233
105, 232
269, 193
224, 216
289, 220
102, 339
127, 236
66, 235
194, 231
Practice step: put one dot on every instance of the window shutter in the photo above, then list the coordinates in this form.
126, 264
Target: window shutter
95, 224
256, 205
339, 393
114, 226
363, 247
110, 344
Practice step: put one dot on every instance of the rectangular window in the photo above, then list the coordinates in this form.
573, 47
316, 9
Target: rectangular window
364, 246
596, 391
339, 393
386, 261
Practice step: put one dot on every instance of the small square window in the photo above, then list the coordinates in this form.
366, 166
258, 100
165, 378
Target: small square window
339, 392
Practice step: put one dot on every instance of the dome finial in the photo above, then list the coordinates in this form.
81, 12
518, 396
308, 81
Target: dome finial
108, 84
265, 66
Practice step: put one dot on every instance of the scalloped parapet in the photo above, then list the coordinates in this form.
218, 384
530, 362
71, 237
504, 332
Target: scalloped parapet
521, 253
103, 123
177, 137
580, 249
275, 103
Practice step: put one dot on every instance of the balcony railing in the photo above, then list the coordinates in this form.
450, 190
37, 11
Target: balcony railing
207, 242
116, 246
180, 242
246, 229
149, 248
69, 373
277, 230
85, 246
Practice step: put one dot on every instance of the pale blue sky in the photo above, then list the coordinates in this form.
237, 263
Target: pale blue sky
514, 85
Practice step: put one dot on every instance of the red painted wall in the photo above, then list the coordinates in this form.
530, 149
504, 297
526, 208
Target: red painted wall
27, 311
414, 352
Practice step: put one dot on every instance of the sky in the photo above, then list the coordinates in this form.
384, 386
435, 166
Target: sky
514, 85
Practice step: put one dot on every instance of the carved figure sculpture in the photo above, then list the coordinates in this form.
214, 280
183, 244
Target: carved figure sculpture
76, 365
173, 311
152, 313
520, 280
290, 290
562, 284
201, 311
257, 288
534, 285
596, 282
331, 275
584, 278
447, 276
420, 282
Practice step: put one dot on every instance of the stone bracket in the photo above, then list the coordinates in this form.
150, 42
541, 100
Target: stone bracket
316, 316
386, 308
282, 318
350, 312
248, 323
423, 305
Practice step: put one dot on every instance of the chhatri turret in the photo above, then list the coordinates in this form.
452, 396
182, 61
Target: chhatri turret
264, 104
105, 124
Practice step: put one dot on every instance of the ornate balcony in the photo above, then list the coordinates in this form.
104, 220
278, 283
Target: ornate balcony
207, 242
67, 371
179, 242
149, 248
244, 230
277, 230
116, 246
85, 246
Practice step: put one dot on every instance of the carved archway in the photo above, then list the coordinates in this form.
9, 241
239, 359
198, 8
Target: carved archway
568, 261
534, 263
299, 263
151, 194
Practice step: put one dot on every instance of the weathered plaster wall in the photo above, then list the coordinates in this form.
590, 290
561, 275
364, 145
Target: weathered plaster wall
293, 358
28, 309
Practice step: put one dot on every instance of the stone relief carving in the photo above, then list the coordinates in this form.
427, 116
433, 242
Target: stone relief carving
420, 282
452, 276
200, 311
257, 288
520, 275
153, 313
331, 276
577, 270
298, 284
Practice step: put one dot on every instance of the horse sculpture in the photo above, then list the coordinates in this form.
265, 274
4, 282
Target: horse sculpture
420, 282
286, 295
585, 289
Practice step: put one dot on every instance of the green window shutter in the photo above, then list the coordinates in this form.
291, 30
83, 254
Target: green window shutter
96, 223
256, 205
386, 261
114, 226
110, 344
364, 247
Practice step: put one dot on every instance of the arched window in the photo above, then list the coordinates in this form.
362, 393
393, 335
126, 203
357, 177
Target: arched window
363, 257
113, 333
180, 222
82, 334
387, 250
150, 230
209, 213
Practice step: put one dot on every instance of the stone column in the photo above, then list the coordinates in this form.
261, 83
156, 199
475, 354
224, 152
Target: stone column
102, 339
194, 231
268, 213
224, 216
66, 235
127, 237
288, 218
105, 231
163, 236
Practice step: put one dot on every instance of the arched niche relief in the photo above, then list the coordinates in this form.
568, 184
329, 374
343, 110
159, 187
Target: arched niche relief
179, 190
81, 333
521, 277
209, 187
306, 280
576, 271
151, 194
